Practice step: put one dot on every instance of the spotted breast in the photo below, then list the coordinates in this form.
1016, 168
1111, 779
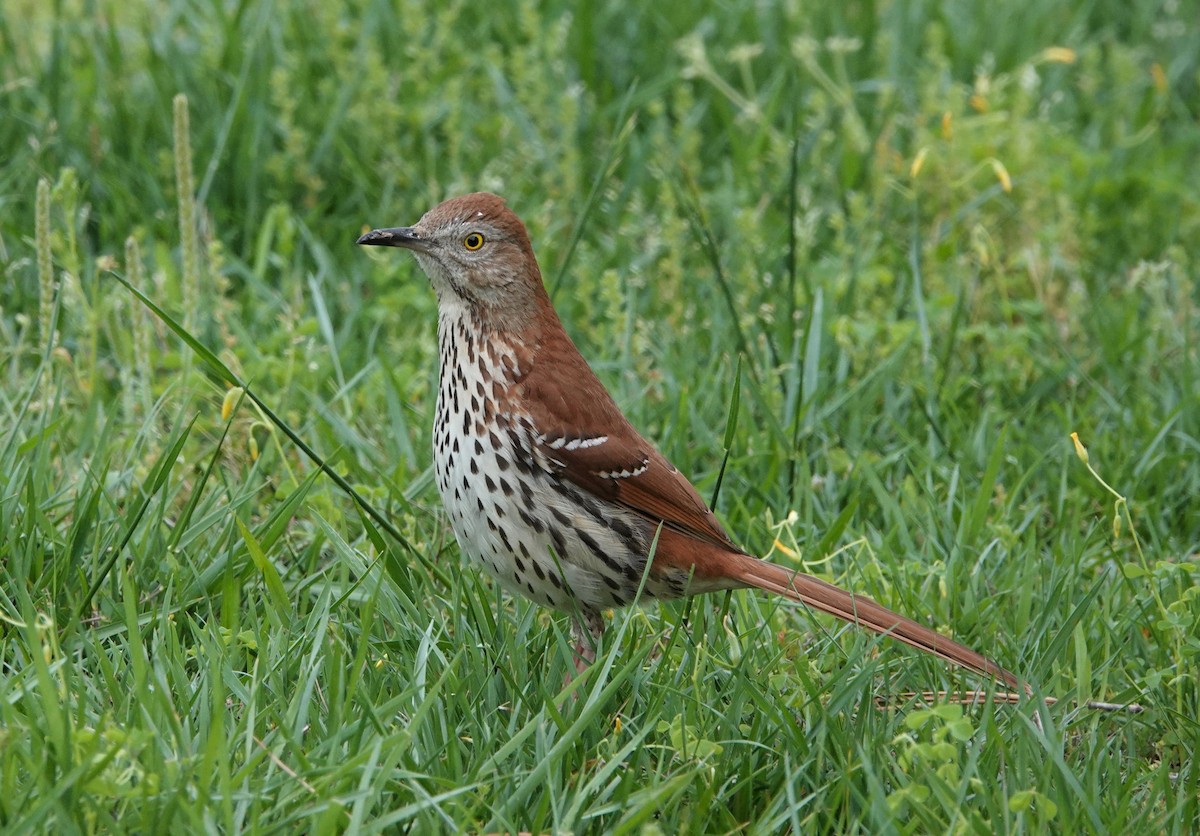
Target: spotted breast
538, 535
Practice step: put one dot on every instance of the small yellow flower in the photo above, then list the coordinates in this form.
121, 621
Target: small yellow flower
947, 126
617, 724
1002, 175
1159, 77
918, 163
784, 548
978, 103
1059, 55
1080, 450
231, 399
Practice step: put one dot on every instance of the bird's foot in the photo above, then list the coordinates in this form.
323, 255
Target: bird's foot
586, 629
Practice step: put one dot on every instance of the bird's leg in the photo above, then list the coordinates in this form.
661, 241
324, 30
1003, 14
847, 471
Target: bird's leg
586, 628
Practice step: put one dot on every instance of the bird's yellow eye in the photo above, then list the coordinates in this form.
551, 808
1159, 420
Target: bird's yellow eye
473, 241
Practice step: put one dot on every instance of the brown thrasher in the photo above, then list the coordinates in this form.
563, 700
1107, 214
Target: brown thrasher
546, 484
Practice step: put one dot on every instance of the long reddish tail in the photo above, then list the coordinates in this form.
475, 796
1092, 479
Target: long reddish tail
863, 612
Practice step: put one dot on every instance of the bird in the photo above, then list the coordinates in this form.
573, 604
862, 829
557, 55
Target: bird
546, 484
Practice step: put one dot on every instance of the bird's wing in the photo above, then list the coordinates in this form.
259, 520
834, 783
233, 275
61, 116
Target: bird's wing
582, 434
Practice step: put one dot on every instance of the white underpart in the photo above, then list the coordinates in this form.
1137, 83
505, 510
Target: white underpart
461, 489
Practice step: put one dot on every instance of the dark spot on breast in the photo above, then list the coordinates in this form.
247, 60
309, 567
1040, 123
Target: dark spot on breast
590, 541
560, 545
616, 566
621, 527
505, 487
593, 508
491, 484
501, 462
531, 521
478, 447
537, 570
474, 467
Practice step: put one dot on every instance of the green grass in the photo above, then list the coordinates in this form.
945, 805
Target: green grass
932, 247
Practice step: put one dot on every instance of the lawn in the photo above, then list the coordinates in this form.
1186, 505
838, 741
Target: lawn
860, 270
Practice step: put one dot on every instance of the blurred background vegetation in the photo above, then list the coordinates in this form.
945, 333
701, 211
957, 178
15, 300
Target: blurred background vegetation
924, 240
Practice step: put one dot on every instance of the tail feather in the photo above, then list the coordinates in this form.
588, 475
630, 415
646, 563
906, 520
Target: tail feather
864, 612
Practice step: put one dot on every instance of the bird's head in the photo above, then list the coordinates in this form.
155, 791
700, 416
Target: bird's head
476, 253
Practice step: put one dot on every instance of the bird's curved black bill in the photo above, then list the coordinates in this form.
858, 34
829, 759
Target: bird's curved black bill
400, 236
